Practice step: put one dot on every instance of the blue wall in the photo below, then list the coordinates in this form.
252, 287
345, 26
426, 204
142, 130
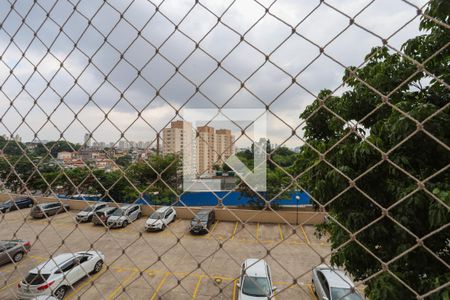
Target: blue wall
208, 199
228, 199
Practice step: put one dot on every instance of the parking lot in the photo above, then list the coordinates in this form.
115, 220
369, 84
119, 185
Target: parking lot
165, 265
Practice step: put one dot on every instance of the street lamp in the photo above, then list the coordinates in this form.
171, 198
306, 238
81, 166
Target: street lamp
297, 197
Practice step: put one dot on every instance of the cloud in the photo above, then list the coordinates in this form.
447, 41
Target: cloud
158, 71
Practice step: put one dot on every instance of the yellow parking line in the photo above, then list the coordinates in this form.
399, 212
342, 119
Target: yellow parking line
312, 292
197, 286
234, 231
281, 232
75, 291
306, 236
212, 229
161, 283
257, 231
11, 284
121, 285
234, 289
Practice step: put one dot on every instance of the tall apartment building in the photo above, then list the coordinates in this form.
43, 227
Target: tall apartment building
200, 153
179, 139
206, 150
87, 140
224, 144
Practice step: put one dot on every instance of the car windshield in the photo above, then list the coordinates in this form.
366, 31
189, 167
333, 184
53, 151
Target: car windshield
117, 212
344, 294
36, 279
256, 286
201, 217
7, 203
156, 215
88, 209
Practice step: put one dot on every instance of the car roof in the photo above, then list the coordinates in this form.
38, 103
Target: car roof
126, 206
163, 209
108, 208
98, 204
51, 264
255, 267
336, 278
47, 203
204, 212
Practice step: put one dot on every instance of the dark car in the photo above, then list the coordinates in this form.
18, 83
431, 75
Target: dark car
18, 203
100, 217
202, 221
13, 250
48, 209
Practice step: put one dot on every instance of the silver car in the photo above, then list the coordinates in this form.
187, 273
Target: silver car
13, 250
88, 212
255, 281
101, 217
45, 210
59, 274
124, 215
333, 284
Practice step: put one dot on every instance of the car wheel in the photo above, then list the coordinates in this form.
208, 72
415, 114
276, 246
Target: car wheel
30, 205
98, 267
125, 224
18, 257
163, 226
60, 293
139, 215
174, 218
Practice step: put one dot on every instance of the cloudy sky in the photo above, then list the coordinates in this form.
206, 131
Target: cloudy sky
98, 63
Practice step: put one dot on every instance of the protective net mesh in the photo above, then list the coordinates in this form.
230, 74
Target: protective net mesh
362, 95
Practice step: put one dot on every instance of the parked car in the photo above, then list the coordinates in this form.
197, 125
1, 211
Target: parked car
48, 209
159, 219
43, 297
202, 221
101, 216
255, 281
88, 212
333, 284
124, 215
13, 250
56, 276
18, 203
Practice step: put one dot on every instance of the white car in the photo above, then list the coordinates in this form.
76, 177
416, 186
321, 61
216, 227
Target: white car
124, 215
88, 212
255, 281
333, 284
58, 275
162, 217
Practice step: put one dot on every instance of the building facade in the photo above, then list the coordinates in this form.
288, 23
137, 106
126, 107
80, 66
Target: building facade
224, 145
179, 139
206, 150
200, 150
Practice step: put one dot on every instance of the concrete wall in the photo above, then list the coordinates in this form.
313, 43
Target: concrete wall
223, 214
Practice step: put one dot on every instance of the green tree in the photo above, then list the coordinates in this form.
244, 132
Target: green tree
278, 182
124, 161
54, 147
11, 147
159, 176
381, 167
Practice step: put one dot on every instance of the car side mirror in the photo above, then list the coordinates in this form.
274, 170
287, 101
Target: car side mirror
324, 298
238, 285
274, 289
